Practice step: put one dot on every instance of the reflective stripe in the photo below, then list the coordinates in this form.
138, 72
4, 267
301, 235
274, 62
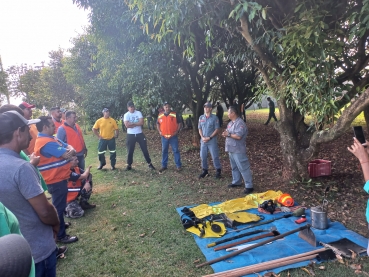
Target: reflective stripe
74, 189
103, 152
112, 151
53, 165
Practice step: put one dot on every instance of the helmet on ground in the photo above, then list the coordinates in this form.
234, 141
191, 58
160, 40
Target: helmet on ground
286, 200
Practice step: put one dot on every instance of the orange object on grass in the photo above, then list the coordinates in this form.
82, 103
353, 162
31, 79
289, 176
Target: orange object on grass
286, 200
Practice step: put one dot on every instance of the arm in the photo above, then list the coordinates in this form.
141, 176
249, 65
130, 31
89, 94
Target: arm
34, 160
158, 128
46, 212
116, 133
362, 155
85, 175
96, 133
61, 134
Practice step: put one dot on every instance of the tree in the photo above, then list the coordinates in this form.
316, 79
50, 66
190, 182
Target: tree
3, 84
311, 55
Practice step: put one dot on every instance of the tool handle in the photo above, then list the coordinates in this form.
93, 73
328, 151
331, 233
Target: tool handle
253, 246
235, 237
243, 241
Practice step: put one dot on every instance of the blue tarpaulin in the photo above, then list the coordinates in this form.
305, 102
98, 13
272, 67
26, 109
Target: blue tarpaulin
288, 246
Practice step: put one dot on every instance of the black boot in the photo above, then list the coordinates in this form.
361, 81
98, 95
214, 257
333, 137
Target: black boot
219, 174
204, 173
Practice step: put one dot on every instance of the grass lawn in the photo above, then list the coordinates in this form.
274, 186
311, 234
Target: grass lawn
135, 230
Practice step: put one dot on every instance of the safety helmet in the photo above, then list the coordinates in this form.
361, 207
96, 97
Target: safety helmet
74, 210
286, 200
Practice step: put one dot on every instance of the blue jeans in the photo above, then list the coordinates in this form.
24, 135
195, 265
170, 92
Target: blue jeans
173, 142
59, 193
47, 267
212, 147
240, 166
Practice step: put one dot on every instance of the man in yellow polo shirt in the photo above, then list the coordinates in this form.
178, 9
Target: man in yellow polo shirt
106, 129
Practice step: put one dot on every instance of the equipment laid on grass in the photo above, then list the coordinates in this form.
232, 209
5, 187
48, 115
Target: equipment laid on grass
262, 223
241, 236
319, 218
308, 236
271, 234
343, 246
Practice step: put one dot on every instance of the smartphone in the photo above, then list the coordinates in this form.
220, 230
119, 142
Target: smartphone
359, 134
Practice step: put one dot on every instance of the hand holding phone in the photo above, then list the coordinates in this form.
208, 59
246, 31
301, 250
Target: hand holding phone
359, 134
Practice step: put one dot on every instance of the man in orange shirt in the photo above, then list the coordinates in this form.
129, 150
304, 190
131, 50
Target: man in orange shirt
27, 113
168, 125
56, 115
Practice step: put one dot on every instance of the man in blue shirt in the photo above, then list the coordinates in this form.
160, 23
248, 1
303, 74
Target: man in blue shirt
208, 129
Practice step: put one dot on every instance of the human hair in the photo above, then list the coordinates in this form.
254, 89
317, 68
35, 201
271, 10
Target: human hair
10, 107
6, 138
69, 113
54, 109
233, 109
44, 121
268, 98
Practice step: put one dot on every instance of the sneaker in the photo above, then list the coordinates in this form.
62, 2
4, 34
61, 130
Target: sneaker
128, 167
101, 166
68, 239
248, 190
204, 173
151, 167
86, 206
67, 224
61, 251
161, 170
219, 174
234, 185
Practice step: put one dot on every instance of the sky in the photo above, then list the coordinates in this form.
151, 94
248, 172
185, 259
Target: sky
30, 29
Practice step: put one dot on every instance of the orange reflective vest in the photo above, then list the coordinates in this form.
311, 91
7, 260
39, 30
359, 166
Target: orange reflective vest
52, 169
74, 137
74, 188
168, 124
57, 125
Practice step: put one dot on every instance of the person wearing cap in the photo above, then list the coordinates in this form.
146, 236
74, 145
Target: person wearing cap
235, 145
133, 120
56, 115
208, 129
70, 133
168, 126
23, 195
27, 113
106, 129
54, 167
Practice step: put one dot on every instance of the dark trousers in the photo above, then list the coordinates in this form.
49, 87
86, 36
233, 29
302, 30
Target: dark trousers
220, 118
47, 267
104, 144
131, 143
59, 193
271, 115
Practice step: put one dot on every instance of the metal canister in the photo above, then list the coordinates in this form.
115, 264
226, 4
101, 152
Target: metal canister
319, 219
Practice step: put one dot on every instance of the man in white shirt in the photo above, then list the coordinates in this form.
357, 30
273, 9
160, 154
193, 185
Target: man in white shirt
134, 120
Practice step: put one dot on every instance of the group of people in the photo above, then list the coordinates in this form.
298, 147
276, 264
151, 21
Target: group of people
36, 155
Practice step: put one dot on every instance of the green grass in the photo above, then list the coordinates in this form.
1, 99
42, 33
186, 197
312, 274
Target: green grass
135, 230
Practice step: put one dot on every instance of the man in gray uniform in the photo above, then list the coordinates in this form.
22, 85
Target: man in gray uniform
208, 129
235, 145
22, 194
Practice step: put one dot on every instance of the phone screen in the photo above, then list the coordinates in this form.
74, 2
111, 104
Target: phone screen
359, 134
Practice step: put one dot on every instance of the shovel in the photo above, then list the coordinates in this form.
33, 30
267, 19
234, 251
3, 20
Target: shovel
307, 226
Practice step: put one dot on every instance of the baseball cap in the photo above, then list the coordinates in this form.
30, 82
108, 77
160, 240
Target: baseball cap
12, 120
208, 105
166, 103
63, 110
130, 104
105, 110
25, 105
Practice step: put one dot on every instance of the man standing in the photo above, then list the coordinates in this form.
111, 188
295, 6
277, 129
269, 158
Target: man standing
151, 117
271, 111
220, 113
133, 120
54, 167
23, 195
208, 130
106, 129
56, 115
70, 133
235, 145
27, 113
168, 125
